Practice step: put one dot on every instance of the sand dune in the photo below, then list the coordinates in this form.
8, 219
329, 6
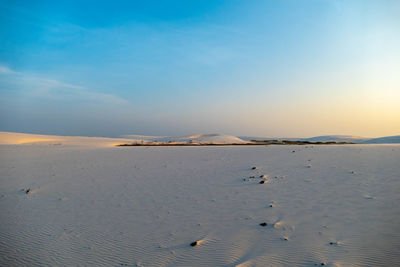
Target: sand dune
354, 139
336, 138
22, 138
383, 140
195, 139
39, 139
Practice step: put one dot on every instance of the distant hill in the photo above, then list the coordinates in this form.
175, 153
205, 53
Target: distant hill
192, 139
197, 139
257, 138
383, 140
336, 138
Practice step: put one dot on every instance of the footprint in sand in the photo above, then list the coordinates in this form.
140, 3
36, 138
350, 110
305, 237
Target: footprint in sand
368, 196
26, 191
281, 225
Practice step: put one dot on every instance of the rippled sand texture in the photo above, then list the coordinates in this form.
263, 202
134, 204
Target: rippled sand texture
138, 206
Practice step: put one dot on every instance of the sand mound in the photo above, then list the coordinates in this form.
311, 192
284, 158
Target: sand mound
336, 138
355, 139
211, 139
384, 140
8, 138
191, 139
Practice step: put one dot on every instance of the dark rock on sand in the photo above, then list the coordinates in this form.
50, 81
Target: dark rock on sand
263, 224
27, 191
193, 244
262, 182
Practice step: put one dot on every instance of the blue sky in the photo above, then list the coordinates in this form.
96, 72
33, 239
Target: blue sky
259, 68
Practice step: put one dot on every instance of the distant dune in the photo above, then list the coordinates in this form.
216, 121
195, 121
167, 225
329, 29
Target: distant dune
40, 139
142, 137
206, 138
355, 139
336, 138
192, 139
196, 139
37, 139
383, 140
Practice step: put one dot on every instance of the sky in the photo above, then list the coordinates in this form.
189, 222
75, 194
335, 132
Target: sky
178, 67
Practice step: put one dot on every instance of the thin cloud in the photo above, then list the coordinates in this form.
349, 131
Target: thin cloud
39, 87
6, 70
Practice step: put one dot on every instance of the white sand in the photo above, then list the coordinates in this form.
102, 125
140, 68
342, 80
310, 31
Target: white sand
143, 206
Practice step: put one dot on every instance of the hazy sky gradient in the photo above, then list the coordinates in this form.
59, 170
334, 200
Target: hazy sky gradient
256, 68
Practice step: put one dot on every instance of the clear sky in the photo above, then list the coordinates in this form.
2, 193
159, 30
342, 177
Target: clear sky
177, 67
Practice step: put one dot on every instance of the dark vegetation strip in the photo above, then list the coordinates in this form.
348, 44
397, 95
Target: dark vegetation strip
253, 143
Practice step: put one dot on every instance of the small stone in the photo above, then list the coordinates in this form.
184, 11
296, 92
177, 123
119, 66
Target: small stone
262, 182
293, 151
27, 191
263, 224
271, 206
253, 168
263, 176
193, 244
